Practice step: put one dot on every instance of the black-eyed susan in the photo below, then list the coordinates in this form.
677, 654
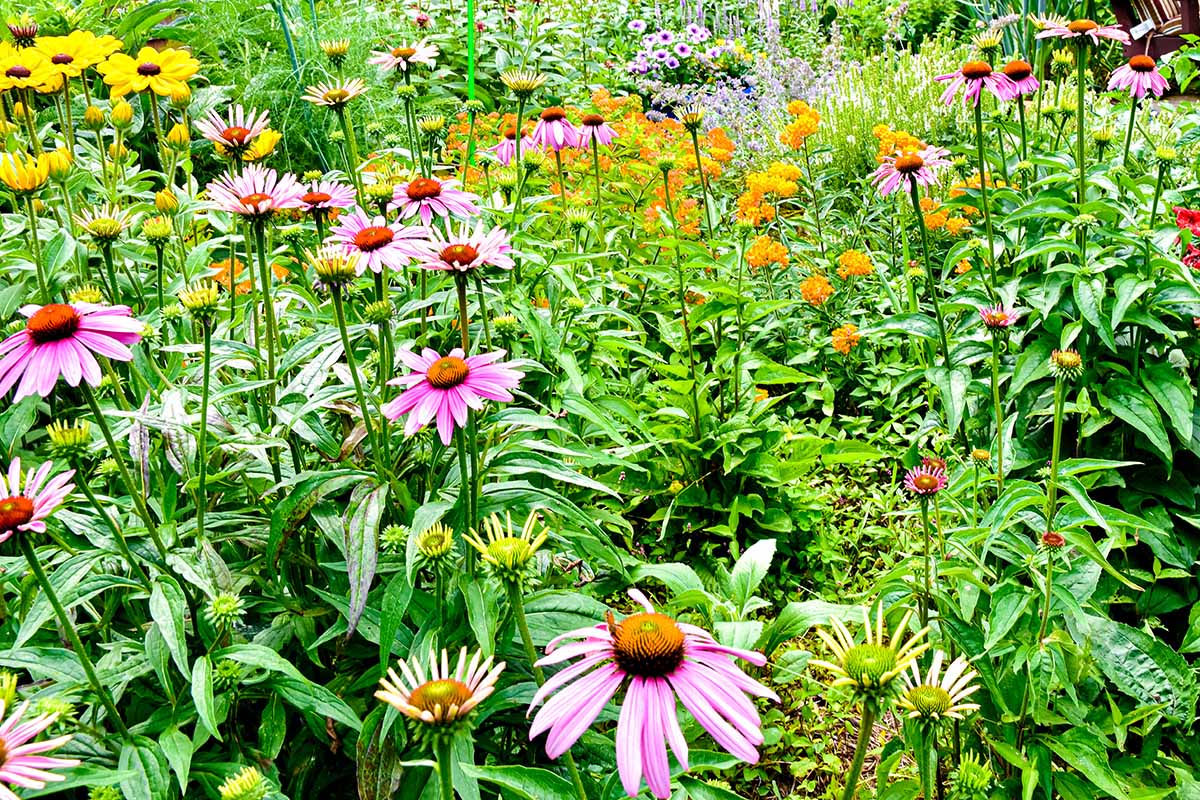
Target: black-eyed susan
161, 72
24, 173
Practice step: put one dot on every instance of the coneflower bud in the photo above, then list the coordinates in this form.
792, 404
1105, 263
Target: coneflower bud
165, 201
88, 293
692, 117
201, 300
1103, 135
972, 779
157, 231
1066, 364
336, 50
333, 266
93, 118
1165, 154
378, 312
406, 91
474, 106
249, 784
665, 164
577, 218
227, 674
311, 175
178, 138
8, 688
105, 793
435, 542
121, 115
1053, 540
507, 553
380, 191
104, 229
24, 30
69, 440
980, 455
224, 610
431, 125
394, 538
506, 324
505, 179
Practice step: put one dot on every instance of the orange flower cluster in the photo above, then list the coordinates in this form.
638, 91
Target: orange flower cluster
938, 218
757, 204
816, 289
853, 264
804, 124
845, 338
892, 142
959, 189
765, 251
227, 271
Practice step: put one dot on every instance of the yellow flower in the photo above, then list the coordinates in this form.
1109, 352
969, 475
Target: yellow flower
163, 72
58, 163
26, 69
508, 553
23, 173
178, 137
263, 145
70, 55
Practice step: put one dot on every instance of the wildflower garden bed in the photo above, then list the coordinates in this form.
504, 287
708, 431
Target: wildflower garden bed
566, 401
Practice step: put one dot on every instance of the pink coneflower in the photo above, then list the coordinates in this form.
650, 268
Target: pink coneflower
906, 169
663, 660
405, 55
24, 766
925, 480
444, 387
432, 694
1021, 74
506, 149
326, 195
1140, 76
465, 250
429, 196
335, 95
235, 131
59, 340
257, 193
999, 317
25, 508
1085, 27
554, 131
375, 242
977, 76
595, 130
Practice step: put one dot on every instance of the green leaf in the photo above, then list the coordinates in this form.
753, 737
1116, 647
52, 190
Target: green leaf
482, 614
167, 605
527, 783
1032, 364
952, 386
297, 500
202, 695
177, 748
1130, 403
1140, 665
1008, 604
362, 551
1084, 752
749, 571
296, 689
396, 598
1170, 389
920, 325
699, 790
147, 774
798, 616
679, 578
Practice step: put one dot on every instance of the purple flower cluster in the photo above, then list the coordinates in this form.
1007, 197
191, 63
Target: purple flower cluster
666, 50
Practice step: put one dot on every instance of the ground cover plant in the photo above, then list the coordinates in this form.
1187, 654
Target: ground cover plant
563, 401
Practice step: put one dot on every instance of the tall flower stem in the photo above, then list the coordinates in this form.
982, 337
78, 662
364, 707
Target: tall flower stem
1046, 600
464, 496
704, 195
687, 329
113, 528
202, 441
483, 312
445, 767
351, 148
599, 196
999, 411
860, 751
89, 669
1055, 451
1024, 133
516, 210
927, 535
35, 143
737, 353
930, 279
158, 275
264, 274
68, 116
983, 193
36, 247
1080, 113
135, 494
339, 313
1129, 131
812, 188
562, 184
517, 603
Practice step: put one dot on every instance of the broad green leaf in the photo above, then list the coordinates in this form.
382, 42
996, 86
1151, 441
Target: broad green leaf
147, 778
798, 616
527, 783
1175, 396
167, 606
1084, 752
362, 550
177, 748
1130, 403
202, 695
749, 572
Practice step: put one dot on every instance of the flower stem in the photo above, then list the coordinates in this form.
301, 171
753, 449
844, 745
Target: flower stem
1080, 111
483, 313
927, 535
1024, 136
930, 280
1055, 450
85, 661
36, 247
516, 210
517, 603
339, 313
812, 188
135, 494
445, 768
113, 527
264, 273
599, 196
1129, 132
687, 330
983, 193
860, 752
704, 196
464, 496
999, 411
460, 286
351, 149
202, 441
1047, 599
562, 184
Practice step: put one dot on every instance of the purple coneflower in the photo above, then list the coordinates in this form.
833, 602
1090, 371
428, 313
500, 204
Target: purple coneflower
1021, 74
554, 131
903, 170
59, 340
433, 694
324, 195
998, 317
977, 76
1140, 76
443, 388
24, 505
594, 129
375, 242
1085, 28
663, 660
429, 196
406, 55
506, 149
464, 250
925, 480
236, 130
257, 193
24, 766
